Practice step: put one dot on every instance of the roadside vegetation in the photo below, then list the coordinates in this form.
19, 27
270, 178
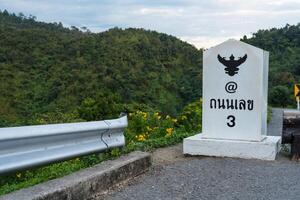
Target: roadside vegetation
147, 130
53, 74
283, 45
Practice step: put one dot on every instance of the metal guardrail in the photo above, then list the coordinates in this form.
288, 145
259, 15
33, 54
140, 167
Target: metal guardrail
30, 146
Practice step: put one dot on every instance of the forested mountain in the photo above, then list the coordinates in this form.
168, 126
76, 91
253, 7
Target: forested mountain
284, 47
52, 73
46, 68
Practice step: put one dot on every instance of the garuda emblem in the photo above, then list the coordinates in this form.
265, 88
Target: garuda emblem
232, 65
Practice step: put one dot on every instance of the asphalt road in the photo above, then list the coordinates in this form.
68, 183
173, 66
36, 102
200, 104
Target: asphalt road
174, 176
215, 178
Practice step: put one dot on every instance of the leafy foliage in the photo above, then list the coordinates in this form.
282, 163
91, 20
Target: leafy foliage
146, 131
46, 67
53, 74
284, 47
191, 116
281, 96
105, 105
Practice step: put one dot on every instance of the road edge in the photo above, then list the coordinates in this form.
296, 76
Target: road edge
87, 183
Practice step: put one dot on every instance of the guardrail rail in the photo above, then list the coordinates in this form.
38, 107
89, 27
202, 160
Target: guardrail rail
29, 146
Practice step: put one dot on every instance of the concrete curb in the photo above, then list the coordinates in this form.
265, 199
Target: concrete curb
87, 183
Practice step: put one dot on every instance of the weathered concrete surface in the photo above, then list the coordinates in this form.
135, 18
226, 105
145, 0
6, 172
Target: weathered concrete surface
266, 149
87, 183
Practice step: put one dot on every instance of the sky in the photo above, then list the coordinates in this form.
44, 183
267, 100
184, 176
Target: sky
203, 23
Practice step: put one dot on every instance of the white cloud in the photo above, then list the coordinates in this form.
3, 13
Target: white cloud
160, 11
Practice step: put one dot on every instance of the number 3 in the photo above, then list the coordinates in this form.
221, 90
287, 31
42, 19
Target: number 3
231, 122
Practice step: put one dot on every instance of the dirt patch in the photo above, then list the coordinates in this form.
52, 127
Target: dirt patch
168, 155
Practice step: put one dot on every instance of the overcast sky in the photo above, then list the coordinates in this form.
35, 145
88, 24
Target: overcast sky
203, 23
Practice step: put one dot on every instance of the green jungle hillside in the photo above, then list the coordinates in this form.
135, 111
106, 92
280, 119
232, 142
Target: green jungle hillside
50, 73
284, 67
47, 70
53, 74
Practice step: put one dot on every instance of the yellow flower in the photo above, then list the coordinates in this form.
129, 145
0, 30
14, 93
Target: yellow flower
145, 115
169, 131
174, 120
141, 138
157, 115
19, 175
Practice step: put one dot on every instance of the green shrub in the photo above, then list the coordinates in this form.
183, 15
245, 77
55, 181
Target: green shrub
56, 117
280, 96
191, 116
149, 125
105, 106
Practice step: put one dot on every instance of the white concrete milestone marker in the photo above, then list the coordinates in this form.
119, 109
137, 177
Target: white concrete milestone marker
234, 121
